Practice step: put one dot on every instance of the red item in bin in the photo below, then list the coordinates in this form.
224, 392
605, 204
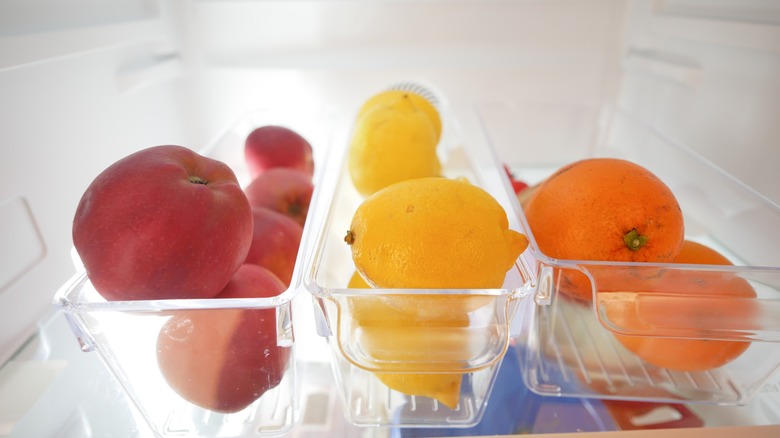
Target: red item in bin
517, 185
629, 415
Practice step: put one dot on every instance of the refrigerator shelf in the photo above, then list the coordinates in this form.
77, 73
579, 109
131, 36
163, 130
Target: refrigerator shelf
567, 349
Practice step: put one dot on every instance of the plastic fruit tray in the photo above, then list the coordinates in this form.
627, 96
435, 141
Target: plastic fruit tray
124, 333
430, 348
569, 345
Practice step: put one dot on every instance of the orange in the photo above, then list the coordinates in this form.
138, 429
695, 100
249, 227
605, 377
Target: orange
604, 209
690, 299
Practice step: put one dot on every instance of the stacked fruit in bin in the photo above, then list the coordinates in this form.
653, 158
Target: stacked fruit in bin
417, 229
168, 223
610, 209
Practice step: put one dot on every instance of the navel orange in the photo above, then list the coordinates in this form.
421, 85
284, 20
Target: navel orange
604, 209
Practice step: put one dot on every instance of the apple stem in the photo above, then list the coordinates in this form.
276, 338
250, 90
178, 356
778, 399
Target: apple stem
349, 238
198, 180
634, 240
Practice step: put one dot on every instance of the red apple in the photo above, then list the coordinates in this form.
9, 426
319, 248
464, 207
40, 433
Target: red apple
272, 146
286, 191
163, 223
225, 359
275, 243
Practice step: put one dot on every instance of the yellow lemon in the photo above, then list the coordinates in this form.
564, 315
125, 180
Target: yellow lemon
432, 233
390, 310
391, 334
444, 387
357, 282
390, 98
427, 233
392, 142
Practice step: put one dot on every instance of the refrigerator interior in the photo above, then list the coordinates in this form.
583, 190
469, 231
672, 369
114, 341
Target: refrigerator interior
86, 83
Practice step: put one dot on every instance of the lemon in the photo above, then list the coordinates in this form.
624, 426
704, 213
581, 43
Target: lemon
357, 282
390, 97
385, 328
432, 233
443, 387
427, 233
392, 142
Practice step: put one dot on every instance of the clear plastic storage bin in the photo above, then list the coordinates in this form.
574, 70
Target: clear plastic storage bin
397, 354
125, 333
570, 345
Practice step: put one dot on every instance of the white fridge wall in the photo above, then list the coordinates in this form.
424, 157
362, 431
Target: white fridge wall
339, 52
69, 108
707, 73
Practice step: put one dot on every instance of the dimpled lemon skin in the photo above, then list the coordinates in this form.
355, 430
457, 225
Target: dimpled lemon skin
392, 143
433, 233
390, 97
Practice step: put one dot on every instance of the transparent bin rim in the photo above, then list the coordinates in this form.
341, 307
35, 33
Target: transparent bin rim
767, 331
76, 298
72, 296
